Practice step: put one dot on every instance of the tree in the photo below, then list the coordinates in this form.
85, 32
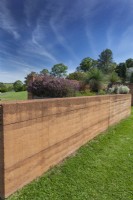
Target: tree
59, 70
113, 78
86, 64
30, 74
131, 78
18, 86
3, 87
95, 79
44, 72
129, 63
121, 70
79, 76
105, 60
10, 87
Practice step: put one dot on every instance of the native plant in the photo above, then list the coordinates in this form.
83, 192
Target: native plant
122, 89
49, 86
95, 80
131, 78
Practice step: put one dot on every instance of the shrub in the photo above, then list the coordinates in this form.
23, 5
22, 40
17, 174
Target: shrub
48, 86
122, 89
113, 78
85, 93
3, 88
10, 88
94, 79
112, 90
18, 86
79, 76
102, 92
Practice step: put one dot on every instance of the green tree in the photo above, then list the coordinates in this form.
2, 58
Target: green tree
79, 76
112, 79
10, 87
129, 63
131, 78
1, 84
121, 70
95, 80
30, 74
3, 87
18, 86
86, 64
59, 70
105, 61
44, 71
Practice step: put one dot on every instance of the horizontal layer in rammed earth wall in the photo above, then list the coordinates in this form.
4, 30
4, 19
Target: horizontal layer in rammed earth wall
37, 134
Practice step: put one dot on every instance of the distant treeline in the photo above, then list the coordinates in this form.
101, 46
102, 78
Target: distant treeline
17, 86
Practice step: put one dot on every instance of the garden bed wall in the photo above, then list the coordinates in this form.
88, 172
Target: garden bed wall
37, 134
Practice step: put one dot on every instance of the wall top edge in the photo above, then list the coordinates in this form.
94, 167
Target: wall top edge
61, 99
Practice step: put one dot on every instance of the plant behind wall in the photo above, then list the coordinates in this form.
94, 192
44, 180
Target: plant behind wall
49, 86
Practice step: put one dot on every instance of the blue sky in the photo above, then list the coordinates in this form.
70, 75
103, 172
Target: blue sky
36, 34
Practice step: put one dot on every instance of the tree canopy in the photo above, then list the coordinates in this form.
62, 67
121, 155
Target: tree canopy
79, 76
18, 86
30, 74
86, 64
105, 61
94, 79
44, 71
59, 70
129, 63
121, 70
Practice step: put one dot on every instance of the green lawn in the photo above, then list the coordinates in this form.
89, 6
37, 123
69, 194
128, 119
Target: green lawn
100, 170
13, 96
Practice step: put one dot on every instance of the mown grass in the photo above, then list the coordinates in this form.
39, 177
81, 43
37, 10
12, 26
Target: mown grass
13, 96
100, 170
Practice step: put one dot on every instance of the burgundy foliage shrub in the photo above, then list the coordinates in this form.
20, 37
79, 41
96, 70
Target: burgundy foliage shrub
49, 86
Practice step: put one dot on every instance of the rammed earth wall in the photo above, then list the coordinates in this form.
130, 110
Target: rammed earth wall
130, 85
38, 134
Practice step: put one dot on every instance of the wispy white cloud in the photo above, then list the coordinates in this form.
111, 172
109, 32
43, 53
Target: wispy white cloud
124, 48
57, 24
120, 8
91, 9
113, 24
37, 49
91, 42
28, 10
7, 22
38, 44
126, 39
35, 45
120, 41
17, 63
11, 77
14, 68
61, 39
52, 26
